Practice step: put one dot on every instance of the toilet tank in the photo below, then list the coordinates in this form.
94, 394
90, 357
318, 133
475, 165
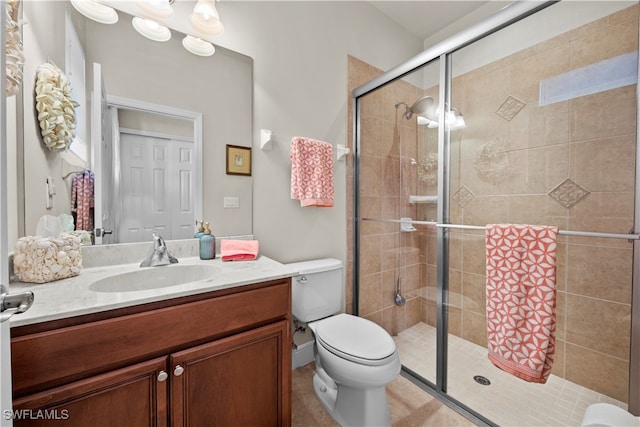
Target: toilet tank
317, 290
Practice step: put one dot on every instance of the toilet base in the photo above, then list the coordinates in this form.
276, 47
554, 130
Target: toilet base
353, 407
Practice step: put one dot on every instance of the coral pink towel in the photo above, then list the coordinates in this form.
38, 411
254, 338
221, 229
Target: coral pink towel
521, 299
312, 172
238, 250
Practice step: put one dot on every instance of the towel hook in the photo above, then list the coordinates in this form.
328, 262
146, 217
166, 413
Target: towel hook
341, 151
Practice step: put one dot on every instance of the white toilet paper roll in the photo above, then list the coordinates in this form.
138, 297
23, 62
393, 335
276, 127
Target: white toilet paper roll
608, 415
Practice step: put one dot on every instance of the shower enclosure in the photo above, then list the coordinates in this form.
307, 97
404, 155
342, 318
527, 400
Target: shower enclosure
504, 123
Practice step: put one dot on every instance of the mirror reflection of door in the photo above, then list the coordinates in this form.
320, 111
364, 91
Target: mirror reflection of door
156, 191
151, 173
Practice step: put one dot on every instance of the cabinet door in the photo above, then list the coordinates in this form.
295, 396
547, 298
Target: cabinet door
132, 396
242, 380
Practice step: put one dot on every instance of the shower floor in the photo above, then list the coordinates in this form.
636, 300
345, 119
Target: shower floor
507, 401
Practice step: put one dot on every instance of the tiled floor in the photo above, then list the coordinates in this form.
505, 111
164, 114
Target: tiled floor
410, 406
507, 401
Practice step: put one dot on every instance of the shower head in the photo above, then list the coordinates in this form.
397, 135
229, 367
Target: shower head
422, 107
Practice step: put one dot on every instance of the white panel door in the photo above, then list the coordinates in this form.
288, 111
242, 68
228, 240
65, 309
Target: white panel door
156, 192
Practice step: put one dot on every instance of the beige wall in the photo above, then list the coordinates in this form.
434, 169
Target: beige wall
300, 74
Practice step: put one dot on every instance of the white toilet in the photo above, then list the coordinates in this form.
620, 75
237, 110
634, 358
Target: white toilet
355, 358
608, 415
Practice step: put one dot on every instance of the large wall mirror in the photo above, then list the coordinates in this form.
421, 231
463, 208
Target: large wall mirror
155, 94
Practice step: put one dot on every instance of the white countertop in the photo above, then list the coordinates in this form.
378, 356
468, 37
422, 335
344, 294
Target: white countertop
73, 296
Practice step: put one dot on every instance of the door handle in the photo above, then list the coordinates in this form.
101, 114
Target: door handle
11, 304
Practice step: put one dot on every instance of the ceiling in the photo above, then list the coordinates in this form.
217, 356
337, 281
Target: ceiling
427, 17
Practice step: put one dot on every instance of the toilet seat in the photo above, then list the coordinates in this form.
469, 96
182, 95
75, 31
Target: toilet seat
355, 339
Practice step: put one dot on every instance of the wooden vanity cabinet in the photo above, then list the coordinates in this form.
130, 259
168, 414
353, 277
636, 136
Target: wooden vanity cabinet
225, 361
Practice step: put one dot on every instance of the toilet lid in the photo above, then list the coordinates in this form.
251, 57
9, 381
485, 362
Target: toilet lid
355, 338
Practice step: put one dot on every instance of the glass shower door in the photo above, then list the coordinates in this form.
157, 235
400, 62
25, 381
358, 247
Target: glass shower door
550, 140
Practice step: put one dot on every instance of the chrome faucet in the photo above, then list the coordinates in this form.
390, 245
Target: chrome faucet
160, 255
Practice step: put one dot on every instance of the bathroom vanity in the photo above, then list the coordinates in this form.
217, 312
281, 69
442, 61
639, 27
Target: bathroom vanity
214, 352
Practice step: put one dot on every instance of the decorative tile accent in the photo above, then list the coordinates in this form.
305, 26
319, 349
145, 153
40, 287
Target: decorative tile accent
568, 193
428, 168
492, 162
510, 107
463, 196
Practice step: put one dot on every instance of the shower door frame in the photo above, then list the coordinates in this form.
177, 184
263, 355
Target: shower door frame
443, 51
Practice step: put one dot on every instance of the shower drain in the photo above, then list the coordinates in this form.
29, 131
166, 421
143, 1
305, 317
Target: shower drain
482, 380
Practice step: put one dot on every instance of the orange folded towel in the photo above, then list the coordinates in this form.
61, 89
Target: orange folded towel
238, 250
521, 299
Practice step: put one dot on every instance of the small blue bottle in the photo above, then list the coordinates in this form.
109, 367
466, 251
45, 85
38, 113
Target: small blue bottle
207, 243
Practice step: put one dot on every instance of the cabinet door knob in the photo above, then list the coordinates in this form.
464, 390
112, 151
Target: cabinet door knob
162, 376
178, 370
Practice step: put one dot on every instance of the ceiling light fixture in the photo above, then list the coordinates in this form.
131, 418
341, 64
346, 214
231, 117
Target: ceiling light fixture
205, 21
151, 29
96, 11
198, 46
156, 9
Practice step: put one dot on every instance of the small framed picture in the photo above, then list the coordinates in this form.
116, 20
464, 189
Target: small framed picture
238, 160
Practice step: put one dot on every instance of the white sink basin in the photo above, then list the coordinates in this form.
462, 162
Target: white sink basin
154, 278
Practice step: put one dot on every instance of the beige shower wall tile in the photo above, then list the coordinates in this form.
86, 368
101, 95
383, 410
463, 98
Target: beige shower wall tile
609, 42
370, 293
597, 371
600, 272
561, 265
605, 213
454, 321
561, 315
371, 254
474, 328
598, 325
537, 170
625, 16
527, 73
474, 294
390, 177
536, 209
413, 312
455, 288
411, 279
536, 126
606, 164
371, 206
371, 175
604, 114
558, 368
455, 254
474, 254
370, 135
486, 210
393, 320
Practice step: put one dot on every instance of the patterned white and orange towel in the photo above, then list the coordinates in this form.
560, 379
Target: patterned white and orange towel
521, 299
312, 172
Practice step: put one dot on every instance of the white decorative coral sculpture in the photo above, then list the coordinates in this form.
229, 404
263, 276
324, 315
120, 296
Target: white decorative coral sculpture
55, 107
13, 49
45, 259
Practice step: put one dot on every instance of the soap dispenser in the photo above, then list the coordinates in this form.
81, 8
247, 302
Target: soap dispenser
200, 231
207, 244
